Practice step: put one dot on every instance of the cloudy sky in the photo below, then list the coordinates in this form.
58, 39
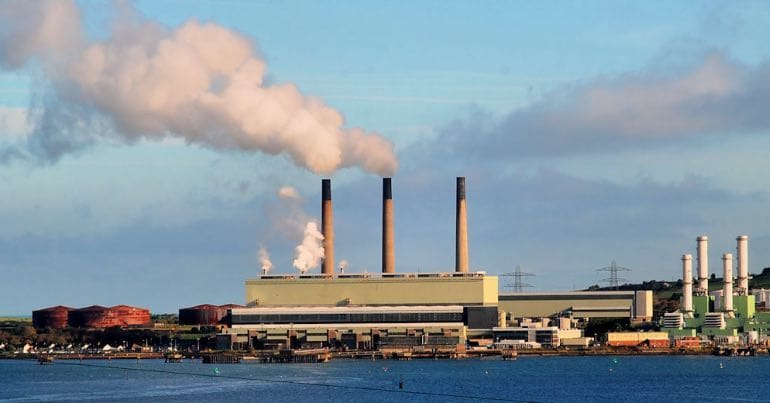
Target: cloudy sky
154, 153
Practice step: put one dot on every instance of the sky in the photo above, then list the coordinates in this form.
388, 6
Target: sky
157, 153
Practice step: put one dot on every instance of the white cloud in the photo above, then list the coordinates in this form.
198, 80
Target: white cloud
14, 124
716, 96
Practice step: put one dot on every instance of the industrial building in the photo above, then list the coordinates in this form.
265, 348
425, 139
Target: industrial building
578, 304
389, 308
726, 314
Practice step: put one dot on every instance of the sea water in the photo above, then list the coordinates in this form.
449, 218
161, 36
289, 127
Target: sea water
631, 378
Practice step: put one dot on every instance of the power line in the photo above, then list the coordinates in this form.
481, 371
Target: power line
285, 381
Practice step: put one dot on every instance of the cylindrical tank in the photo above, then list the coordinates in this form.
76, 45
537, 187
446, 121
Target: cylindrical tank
124, 315
97, 316
743, 264
327, 226
55, 317
204, 315
703, 264
461, 229
727, 264
87, 317
687, 284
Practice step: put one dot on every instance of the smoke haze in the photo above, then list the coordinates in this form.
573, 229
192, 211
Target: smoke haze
200, 82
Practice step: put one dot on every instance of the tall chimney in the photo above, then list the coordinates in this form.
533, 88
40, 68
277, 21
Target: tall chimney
727, 264
327, 226
461, 230
743, 264
687, 284
703, 265
388, 253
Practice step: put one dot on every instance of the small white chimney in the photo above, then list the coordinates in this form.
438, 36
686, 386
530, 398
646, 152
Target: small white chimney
703, 265
727, 264
743, 264
687, 285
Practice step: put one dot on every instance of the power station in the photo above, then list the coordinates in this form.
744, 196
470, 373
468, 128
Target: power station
388, 308
728, 314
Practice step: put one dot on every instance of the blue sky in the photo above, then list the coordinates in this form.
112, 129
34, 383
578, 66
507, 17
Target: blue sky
588, 131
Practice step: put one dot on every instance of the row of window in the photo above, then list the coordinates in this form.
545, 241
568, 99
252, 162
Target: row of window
396, 317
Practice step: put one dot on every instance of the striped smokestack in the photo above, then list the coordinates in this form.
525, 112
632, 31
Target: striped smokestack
461, 231
327, 226
388, 253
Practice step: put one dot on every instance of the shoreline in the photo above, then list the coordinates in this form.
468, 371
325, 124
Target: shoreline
378, 355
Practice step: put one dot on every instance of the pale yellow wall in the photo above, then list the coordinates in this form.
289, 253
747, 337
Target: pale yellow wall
373, 291
546, 307
643, 304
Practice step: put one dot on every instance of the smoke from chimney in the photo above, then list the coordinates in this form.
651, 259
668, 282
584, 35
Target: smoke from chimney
200, 82
327, 226
388, 252
264, 260
310, 252
461, 229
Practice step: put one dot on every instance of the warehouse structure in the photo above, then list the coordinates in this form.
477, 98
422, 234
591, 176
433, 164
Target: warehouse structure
579, 304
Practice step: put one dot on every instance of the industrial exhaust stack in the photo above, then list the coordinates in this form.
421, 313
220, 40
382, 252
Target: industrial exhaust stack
687, 285
743, 264
327, 227
703, 265
388, 253
461, 231
727, 264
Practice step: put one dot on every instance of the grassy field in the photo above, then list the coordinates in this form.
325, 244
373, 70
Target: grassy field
15, 319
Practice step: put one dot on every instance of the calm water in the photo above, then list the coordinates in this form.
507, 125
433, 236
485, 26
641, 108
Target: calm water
528, 378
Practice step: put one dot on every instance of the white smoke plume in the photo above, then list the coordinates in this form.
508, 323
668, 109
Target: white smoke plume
343, 265
200, 82
264, 260
289, 192
311, 250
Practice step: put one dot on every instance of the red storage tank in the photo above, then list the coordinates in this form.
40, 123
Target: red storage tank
124, 315
97, 316
204, 315
55, 317
88, 316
